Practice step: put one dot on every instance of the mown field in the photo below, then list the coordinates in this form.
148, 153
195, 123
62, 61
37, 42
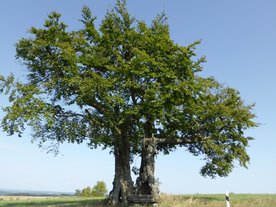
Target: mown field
237, 200
25, 201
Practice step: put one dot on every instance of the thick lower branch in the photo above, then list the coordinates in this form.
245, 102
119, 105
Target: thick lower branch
170, 141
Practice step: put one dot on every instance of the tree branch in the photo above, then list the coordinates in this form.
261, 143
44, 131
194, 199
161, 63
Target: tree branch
170, 141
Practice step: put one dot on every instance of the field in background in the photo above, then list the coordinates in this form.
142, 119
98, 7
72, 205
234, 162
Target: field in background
40, 201
236, 200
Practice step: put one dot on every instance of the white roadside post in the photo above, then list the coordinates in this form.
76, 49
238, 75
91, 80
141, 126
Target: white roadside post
227, 199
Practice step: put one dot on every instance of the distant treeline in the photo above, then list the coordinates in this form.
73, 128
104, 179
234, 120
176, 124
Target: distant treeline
98, 190
32, 193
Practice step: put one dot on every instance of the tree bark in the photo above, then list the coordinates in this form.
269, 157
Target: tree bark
145, 183
122, 184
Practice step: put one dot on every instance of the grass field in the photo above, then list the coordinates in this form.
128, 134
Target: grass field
25, 201
236, 200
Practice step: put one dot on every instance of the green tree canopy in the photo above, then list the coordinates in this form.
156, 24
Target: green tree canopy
120, 86
99, 190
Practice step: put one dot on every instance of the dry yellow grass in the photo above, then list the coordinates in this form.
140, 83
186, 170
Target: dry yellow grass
237, 200
23, 198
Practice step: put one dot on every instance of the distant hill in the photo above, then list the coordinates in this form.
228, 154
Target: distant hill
8, 192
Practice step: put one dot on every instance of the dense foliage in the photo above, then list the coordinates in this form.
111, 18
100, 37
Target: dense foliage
120, 86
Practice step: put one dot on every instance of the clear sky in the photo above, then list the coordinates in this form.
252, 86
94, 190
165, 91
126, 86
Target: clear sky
239, 41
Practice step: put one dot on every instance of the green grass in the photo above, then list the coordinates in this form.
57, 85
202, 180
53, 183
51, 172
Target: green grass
236, 200
50, 202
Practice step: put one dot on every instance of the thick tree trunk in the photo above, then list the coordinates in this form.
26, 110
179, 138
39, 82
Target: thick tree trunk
122, 184
145, 183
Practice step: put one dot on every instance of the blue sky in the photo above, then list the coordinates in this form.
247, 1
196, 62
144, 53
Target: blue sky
239, 41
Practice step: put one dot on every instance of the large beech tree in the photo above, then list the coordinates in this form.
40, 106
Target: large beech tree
128, 87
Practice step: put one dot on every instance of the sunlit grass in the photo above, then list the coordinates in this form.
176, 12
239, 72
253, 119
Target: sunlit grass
198, 200
236, 200
16, 201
